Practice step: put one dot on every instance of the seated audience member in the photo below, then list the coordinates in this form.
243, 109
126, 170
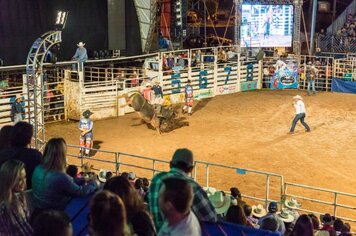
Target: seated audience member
52, 187
139, 188
272, 212
220, 201
338, 224
181, 165
146, 186
303, 226
316, 226
5, 137
107, 215
137, 217
251, 221
327, 221
125, 175
72, 171
53, 223
258, 212
236, 194
270, 224
14, 215
236, 215
345, 231
286, 216
20, 139
104, 175
131, 177
293, 205
175, 201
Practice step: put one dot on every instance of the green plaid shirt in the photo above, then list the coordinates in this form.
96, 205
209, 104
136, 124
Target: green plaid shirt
202, 207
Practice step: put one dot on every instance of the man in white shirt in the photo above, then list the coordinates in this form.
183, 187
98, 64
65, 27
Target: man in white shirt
175, 201
299, 114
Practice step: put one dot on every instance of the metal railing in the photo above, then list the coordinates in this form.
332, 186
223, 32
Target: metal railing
331, 43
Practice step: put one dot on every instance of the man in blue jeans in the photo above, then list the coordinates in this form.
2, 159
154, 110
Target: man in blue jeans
299, 114
311, 75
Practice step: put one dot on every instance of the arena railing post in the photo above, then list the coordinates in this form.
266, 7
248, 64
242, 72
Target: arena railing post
207, 175
335, 203
267, 191
153, 168
117, 163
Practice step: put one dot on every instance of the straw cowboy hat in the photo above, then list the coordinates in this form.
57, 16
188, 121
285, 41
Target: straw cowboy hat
18, 96
102, 175
258, 211
148, 85
298, 97
220, 201
292, 204
81, 44
286, 216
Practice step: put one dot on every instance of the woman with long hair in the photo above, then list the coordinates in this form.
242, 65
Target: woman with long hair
236, 215
138, 219
14, 215
303, 227
52, 187
107, 215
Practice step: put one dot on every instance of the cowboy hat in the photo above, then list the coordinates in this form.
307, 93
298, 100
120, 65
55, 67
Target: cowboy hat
87, 113
298, 97
148, 85
292, 204
18, 96
102, 175
327, 219
286, 216
258, 211
81, 44
218, 199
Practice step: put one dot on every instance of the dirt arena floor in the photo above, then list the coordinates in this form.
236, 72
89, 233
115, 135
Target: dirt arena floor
249, 130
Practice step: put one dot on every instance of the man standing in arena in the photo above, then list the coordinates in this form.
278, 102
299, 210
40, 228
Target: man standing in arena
80, 56
189, 98
86, 133
311, 73
299, 114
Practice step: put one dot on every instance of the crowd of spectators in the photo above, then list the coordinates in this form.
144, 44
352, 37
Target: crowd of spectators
172, 203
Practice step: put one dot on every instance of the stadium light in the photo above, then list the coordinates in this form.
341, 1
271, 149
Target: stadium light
61, 19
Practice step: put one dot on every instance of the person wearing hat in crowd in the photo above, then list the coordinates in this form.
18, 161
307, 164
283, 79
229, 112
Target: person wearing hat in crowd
251, 221
288, 219
236, 194
293, 205
181, 166
258, 212
17, 109
80, 56
328, 222
299, 114
189, 98
86, 133
272, 213
220, 201
311, 73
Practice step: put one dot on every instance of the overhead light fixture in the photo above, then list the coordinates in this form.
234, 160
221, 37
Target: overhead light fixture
61, 19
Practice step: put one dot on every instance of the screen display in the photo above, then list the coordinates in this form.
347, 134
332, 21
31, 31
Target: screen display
266, 25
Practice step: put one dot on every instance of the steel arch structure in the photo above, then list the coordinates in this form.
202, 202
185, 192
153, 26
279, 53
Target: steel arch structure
34, 83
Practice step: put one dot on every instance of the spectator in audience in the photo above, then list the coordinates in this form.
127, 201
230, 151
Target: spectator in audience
327, 222
293, 205
125, 175
338, 224
272, 213
72, 171
316, 226
146, 184
80, 56
236, 215
14, 215
181, 165
175, 201
236, 194
20, 140
5, 137
286, 216
303, 226
139, 188
107, 215
249, 218
17, 109
270, 224
51, 223
258, 212
220, 201
345, 231
52, 187
137, 217
104, 175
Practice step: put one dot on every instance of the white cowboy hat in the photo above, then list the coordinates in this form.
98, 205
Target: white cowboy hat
148, 85
286, 216
220, 202
298, 97
18, 96
292, 204
81, 44
258, 211
102, 175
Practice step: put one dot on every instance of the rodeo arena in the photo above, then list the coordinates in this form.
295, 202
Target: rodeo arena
178, 117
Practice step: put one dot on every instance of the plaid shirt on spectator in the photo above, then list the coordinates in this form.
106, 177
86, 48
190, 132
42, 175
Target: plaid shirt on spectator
202, 207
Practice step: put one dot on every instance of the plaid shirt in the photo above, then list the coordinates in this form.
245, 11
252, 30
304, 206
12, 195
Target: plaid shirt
202, 207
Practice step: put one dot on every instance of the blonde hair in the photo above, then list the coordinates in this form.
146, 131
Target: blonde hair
54, 155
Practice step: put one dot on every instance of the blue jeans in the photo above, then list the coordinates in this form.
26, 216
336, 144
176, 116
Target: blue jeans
298, 117
311, 83
74, 66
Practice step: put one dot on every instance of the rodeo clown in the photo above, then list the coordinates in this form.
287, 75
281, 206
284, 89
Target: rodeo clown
189, 98
86, 133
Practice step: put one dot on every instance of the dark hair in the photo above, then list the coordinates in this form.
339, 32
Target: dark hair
303, 226
5, 136
125, 175
123, 188
235, 192
346, 228
236, 215
72, 171
273, 207
178, 192
269, 223
138, 183
51, 222
21, 134
338, 224
315, 221
247, 210
107, 214
146, 183
108, 175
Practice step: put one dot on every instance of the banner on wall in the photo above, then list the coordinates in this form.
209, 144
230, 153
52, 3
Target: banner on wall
248, 85
203, 93
226, 89
285, 75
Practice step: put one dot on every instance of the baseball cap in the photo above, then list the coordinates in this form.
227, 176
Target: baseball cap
183, 155
273, 207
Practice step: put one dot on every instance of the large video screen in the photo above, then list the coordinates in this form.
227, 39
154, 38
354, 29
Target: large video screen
266, 25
